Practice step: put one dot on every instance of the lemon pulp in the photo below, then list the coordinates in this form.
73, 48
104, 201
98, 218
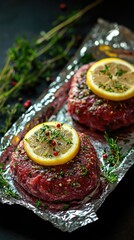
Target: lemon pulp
52, 143
111, 78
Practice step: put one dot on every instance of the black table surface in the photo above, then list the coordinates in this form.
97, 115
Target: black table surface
116, 215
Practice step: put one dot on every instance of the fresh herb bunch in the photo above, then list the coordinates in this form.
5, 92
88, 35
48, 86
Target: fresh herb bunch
112, 158
30, 62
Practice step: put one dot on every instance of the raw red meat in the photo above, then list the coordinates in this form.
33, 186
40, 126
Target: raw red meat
98, 113
67, 183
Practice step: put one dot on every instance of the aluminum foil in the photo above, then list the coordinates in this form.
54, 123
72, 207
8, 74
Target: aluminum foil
104, 39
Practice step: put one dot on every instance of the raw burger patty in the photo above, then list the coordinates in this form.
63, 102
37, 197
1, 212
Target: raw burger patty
64, 183
93, 111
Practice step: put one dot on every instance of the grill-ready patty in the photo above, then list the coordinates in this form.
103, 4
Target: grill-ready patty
96, 112
63, 183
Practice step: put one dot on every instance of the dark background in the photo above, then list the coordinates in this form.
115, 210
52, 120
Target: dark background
116, 216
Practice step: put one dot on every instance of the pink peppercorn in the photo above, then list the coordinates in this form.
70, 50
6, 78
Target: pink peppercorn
55, 153
13, 83
58, 125
105, 156
63, 6
27, 103
53, 142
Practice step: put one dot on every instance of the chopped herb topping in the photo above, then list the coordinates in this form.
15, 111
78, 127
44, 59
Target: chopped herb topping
38, 203
84, 171
105, 70
112, 75
120, 72
52, 139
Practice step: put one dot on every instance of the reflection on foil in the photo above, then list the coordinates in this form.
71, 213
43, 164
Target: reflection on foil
105, 39
112, 34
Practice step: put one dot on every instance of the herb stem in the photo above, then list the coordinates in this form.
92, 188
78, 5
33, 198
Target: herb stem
46, 63
29, 62
5, 68
79, 14
10, 91
50, 44
6, 81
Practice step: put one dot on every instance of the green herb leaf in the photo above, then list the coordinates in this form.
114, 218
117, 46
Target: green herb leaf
112, 158
5, 185
30, 62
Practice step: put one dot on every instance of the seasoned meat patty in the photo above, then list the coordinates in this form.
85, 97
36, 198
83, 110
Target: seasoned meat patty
69, 182
96, 112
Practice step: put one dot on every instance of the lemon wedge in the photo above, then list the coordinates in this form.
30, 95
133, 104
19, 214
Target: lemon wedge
51, 143
111, 78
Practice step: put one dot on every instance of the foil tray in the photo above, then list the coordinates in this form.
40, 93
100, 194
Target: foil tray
104, 40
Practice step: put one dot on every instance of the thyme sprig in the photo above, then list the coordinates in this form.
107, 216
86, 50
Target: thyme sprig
5, 185
68, 21
30, 62
112, 158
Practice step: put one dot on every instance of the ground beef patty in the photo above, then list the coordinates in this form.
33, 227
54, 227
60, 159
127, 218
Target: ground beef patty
64, 183
93, 111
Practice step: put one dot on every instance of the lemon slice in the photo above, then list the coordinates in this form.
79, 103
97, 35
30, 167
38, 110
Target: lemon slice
52, 143
111, 78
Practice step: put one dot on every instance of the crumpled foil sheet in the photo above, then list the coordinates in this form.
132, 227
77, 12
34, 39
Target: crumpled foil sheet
104, 39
